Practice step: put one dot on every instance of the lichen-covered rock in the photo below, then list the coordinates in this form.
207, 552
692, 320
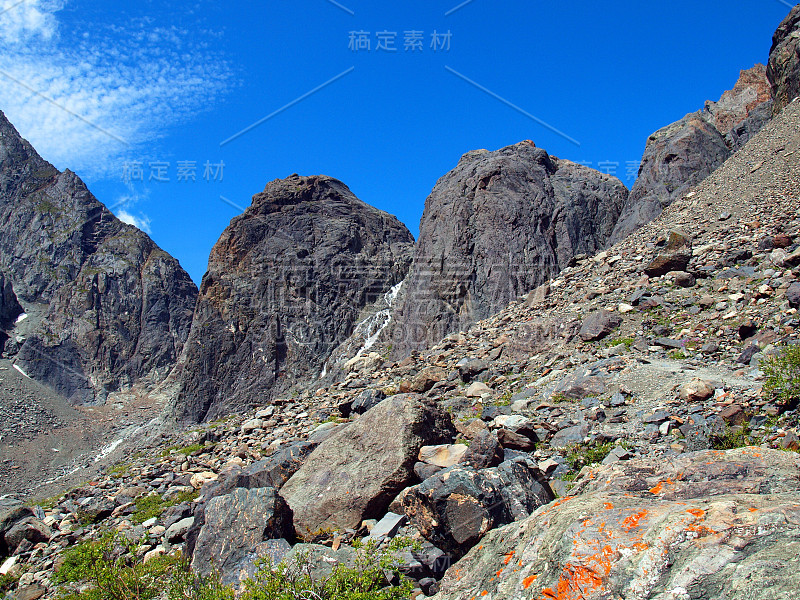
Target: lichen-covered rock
783, 69
737, 538
285, 285
495, 227
357, 472
106, 306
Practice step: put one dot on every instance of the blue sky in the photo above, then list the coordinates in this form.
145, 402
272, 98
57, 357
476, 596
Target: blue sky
102, 88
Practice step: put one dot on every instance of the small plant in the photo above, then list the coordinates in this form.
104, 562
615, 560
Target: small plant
505, 399
463, 441
678, 355
148, 507
628, 341
8, 583
119, 470
559, 398
783, 375
185, 450
734, 437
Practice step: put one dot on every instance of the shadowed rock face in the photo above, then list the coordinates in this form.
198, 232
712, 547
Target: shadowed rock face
783, 70
496, 226
681, 155
285, 284
106, 306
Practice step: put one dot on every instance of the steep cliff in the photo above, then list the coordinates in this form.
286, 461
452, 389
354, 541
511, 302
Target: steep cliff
105, 305
498, 225
285, 285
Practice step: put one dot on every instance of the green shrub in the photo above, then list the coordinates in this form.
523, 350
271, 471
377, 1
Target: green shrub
734, 437
148, 507
8, 583
112, 568
783, 375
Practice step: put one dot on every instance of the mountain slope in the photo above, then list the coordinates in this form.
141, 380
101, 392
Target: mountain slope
105, 305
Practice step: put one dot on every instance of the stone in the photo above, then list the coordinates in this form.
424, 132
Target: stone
515, 202
477, 389
515, 441
178, 530
793, 294
30, 529
289, 277
426, 379
31, 592
387, 527
569, 436
696, 390
469, 368
356, 473
484, 451
235, 524
598, 325
455, 508
367, 400
443, 455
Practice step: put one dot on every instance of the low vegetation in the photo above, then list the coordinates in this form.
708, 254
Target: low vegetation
148, 507
783, 375
112, 568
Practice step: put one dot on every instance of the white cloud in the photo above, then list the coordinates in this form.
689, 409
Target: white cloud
87, 98
21, 20
141, 222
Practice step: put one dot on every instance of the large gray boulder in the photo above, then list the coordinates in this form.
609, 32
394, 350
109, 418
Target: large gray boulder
285, 285
495, 227
107, 307
783, 69
357, 472
735, 538
235, 524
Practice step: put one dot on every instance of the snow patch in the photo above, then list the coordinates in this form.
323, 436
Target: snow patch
21, 318
18, 368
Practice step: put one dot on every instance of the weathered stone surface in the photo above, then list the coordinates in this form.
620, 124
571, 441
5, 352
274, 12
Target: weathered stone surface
30, 529
457, 506
443, 455
484, 451
106, 306
285, 285
783, 69
598, 325
681, 155
11, 512
497, 226
793, 295
620, 540
235, 524
357, 472
696, 390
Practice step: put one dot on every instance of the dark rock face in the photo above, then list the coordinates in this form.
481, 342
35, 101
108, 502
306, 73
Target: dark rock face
284, 287
683, 154
357, 472
497, 226
457, 506
235, 524
106, 306
783, 69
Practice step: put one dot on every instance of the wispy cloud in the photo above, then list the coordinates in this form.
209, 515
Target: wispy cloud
86, 96
142, 221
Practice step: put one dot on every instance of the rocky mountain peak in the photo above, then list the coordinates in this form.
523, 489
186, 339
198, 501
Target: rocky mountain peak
496, 226
105, 307
285, 285
783, 70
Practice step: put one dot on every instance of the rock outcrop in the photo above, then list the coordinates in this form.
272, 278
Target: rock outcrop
285, 285
783, 69
681, 155
357, 472
713, 526
498, 225
106, 307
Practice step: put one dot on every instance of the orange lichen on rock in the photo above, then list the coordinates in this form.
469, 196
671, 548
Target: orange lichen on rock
697, 512
631, 521
508, 558
528, 581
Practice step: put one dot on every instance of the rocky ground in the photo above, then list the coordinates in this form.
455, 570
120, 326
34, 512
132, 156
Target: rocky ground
575, 445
